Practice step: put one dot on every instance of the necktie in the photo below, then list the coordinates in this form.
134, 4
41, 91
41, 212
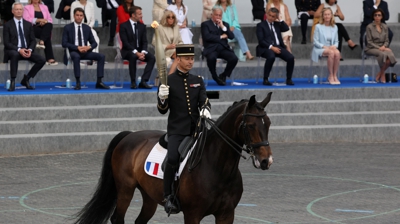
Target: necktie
273, 33
136, 36
21, 35
79, 36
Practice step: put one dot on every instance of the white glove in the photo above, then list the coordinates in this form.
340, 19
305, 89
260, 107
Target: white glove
163, 92
206, 113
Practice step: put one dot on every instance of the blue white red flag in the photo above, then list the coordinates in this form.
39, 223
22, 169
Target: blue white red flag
152, 167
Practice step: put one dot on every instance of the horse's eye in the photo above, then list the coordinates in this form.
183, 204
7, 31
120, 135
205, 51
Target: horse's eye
251, 126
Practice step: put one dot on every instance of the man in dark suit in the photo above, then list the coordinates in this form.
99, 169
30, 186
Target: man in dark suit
368, 8
184, 98
19, 43
305, 11
134, 47
75, 37
215, 35
270, 45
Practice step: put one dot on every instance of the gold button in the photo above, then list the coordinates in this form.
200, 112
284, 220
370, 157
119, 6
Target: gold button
187, 92
186, 87
187, 96
189, 108
188, 100
184, 80
190, 112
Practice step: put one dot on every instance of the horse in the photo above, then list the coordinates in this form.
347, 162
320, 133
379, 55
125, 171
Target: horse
213, 187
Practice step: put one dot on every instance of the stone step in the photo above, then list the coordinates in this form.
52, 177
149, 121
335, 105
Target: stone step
350, 68
160, 122
280, 108
27, 144
317, 95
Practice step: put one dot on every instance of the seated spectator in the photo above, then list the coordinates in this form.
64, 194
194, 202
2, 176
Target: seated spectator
38, 14
326, 43
169, 36
258, 9
6, 13
369, 7
159, 6
230, 16
271, 45
181, 11
89, 19
19, 44
134, 47
49, 4
123, 12
285, 16
215, 34
305, 11
378, 44
76, 37
342, 32
207, 9
64, 10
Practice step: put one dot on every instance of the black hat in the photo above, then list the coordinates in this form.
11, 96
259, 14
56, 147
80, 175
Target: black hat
185, 50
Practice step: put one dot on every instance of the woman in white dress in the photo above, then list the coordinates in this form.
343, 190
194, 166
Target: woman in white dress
285, 16
180, 11
89, 19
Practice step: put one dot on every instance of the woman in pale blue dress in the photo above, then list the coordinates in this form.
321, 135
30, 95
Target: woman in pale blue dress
326, 44
230, 16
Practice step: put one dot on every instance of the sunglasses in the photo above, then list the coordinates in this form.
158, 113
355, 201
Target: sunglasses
377, 15
170, 17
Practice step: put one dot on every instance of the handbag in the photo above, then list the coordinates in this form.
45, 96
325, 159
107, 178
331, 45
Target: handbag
391, 75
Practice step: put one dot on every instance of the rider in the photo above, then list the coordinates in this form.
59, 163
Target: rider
184, 96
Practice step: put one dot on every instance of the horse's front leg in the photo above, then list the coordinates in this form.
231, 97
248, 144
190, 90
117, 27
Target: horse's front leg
225, 217
191, 219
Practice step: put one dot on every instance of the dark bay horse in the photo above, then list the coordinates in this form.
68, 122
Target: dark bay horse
214, 187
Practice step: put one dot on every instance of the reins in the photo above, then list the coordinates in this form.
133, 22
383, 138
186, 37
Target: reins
201, 136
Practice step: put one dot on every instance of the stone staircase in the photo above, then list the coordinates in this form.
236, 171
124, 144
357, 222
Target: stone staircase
34, 124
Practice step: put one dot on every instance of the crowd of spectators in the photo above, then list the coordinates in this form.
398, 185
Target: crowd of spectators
172, 14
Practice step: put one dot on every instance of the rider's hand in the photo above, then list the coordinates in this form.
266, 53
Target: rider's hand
163, 92
206, 113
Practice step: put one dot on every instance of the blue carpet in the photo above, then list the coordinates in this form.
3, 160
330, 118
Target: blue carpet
50, 88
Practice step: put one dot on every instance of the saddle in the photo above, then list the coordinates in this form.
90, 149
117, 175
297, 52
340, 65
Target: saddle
183, 148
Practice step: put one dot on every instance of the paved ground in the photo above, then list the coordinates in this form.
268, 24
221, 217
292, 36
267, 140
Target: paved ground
308, 183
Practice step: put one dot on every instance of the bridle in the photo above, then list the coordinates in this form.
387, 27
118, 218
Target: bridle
248, 146
200, 136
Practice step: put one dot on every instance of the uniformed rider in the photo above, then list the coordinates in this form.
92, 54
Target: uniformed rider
184, 96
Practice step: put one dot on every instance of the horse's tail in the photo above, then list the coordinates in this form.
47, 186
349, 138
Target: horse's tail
99, 208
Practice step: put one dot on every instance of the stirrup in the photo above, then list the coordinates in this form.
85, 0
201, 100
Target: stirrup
171, 207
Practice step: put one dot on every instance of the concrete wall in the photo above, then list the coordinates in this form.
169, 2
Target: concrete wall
352, 9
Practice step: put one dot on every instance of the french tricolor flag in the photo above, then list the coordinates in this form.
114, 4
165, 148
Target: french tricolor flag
152, 167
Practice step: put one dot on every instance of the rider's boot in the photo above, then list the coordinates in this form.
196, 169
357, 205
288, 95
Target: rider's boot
170, 201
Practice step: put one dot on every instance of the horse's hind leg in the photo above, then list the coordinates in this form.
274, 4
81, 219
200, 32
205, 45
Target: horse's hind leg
124, 198
149, 207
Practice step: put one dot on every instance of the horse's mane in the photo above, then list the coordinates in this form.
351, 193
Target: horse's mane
230, 109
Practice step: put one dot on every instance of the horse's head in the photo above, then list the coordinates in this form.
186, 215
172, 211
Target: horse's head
253, 132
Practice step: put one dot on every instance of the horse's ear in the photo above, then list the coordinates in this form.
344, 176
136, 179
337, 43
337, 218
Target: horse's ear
266, 100
252, 101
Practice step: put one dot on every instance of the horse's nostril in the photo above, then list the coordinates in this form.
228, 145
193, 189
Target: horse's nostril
264, 164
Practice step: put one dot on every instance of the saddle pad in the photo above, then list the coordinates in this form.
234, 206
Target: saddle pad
152, 166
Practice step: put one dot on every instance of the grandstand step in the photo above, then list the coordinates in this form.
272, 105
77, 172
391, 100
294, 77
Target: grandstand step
160, 122
14, 145
148, 109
